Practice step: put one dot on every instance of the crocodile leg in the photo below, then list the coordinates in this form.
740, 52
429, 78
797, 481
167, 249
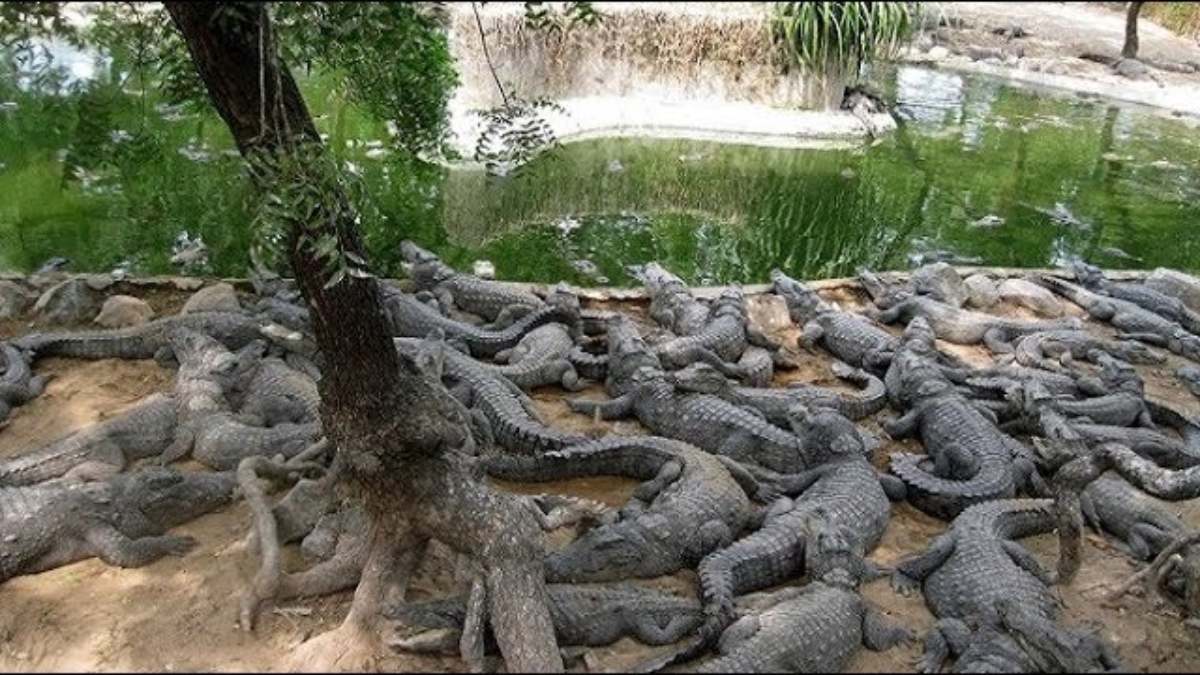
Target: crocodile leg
738, 632
1026, 561
904, 426
115, 548
879, 633
615, 409
811, 334
996, 340
909, 573
948, 636
667, 474
648, 631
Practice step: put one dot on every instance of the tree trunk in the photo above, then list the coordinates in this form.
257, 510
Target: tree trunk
1130, 50
395, 428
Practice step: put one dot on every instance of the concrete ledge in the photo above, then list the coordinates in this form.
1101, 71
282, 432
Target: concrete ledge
186, 284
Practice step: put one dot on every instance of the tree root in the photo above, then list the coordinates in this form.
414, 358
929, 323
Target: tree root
1156, 570
267, 581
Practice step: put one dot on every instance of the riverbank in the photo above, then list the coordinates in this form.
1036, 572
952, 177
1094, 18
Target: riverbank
975, 38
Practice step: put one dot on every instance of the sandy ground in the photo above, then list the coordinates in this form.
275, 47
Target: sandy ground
180, 613
1058, 33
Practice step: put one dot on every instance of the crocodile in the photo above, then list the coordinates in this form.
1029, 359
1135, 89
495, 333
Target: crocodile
1132, 321
149, 340
703, 420
726, 334
18, 384
965, 327
206, 426
672, 305
974, 571
842, 489
122, 520
1190, 377
289, 314
775, 403
756, 367
1167, 306
969, 459
690, 504
1143, 524
586, 364
409, 317
815, 628
540, 358
504, 410
99, 450
1055, 350
848, 336
271, 392
493, 301
593, 615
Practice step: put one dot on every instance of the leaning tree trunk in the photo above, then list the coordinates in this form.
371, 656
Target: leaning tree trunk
1130, 50
396, 429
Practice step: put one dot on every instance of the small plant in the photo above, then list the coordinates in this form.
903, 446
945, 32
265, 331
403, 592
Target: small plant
834, 39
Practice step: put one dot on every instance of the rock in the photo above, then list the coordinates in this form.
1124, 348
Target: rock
70, 301
982, 53
768, 313
187, 283
941, 282
937, 53
215, 298
120, 311
982, 292
848, 173
98, 282
1175, 283
615, 166
1131, 68
1029, 295
989, 221
14, 299
484, 269
54, 264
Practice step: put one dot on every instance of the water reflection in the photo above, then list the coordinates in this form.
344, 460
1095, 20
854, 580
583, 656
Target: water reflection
979, 171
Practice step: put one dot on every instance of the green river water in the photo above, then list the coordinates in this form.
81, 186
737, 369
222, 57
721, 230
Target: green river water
980, 170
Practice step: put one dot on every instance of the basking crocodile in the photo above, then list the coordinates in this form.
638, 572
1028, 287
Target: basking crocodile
1054, 350
511, 420
1190, 377
271, 392
965, 327
593, 615
1167, 306
99, 450
18, 384
1132, 321
703, 420
775, 403
974, 565
726, 334
672, 305
149, 340
1144, 525
289, 314
815, 628
689, 506
206, 427
493, 301
848, 336
541, 358
587, 364
122, 521
969, 459
842, 490
409, 317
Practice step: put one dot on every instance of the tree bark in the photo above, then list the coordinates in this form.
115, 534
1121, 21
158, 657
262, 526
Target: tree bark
1130, 50
395, 428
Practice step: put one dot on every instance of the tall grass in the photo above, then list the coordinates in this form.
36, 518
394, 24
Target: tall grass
1182, 18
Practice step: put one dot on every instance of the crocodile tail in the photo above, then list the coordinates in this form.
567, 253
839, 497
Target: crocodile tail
119, 343
716, 583
994, 480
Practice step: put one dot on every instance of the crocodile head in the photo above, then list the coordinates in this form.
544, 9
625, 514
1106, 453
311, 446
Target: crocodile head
200, 355
699, 378
827, 433
919, 337
168, 497
606, 553
803, 303
414, 254
731, 302
1188, 344
656, 278
1089, 276
429, 274
832, 555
